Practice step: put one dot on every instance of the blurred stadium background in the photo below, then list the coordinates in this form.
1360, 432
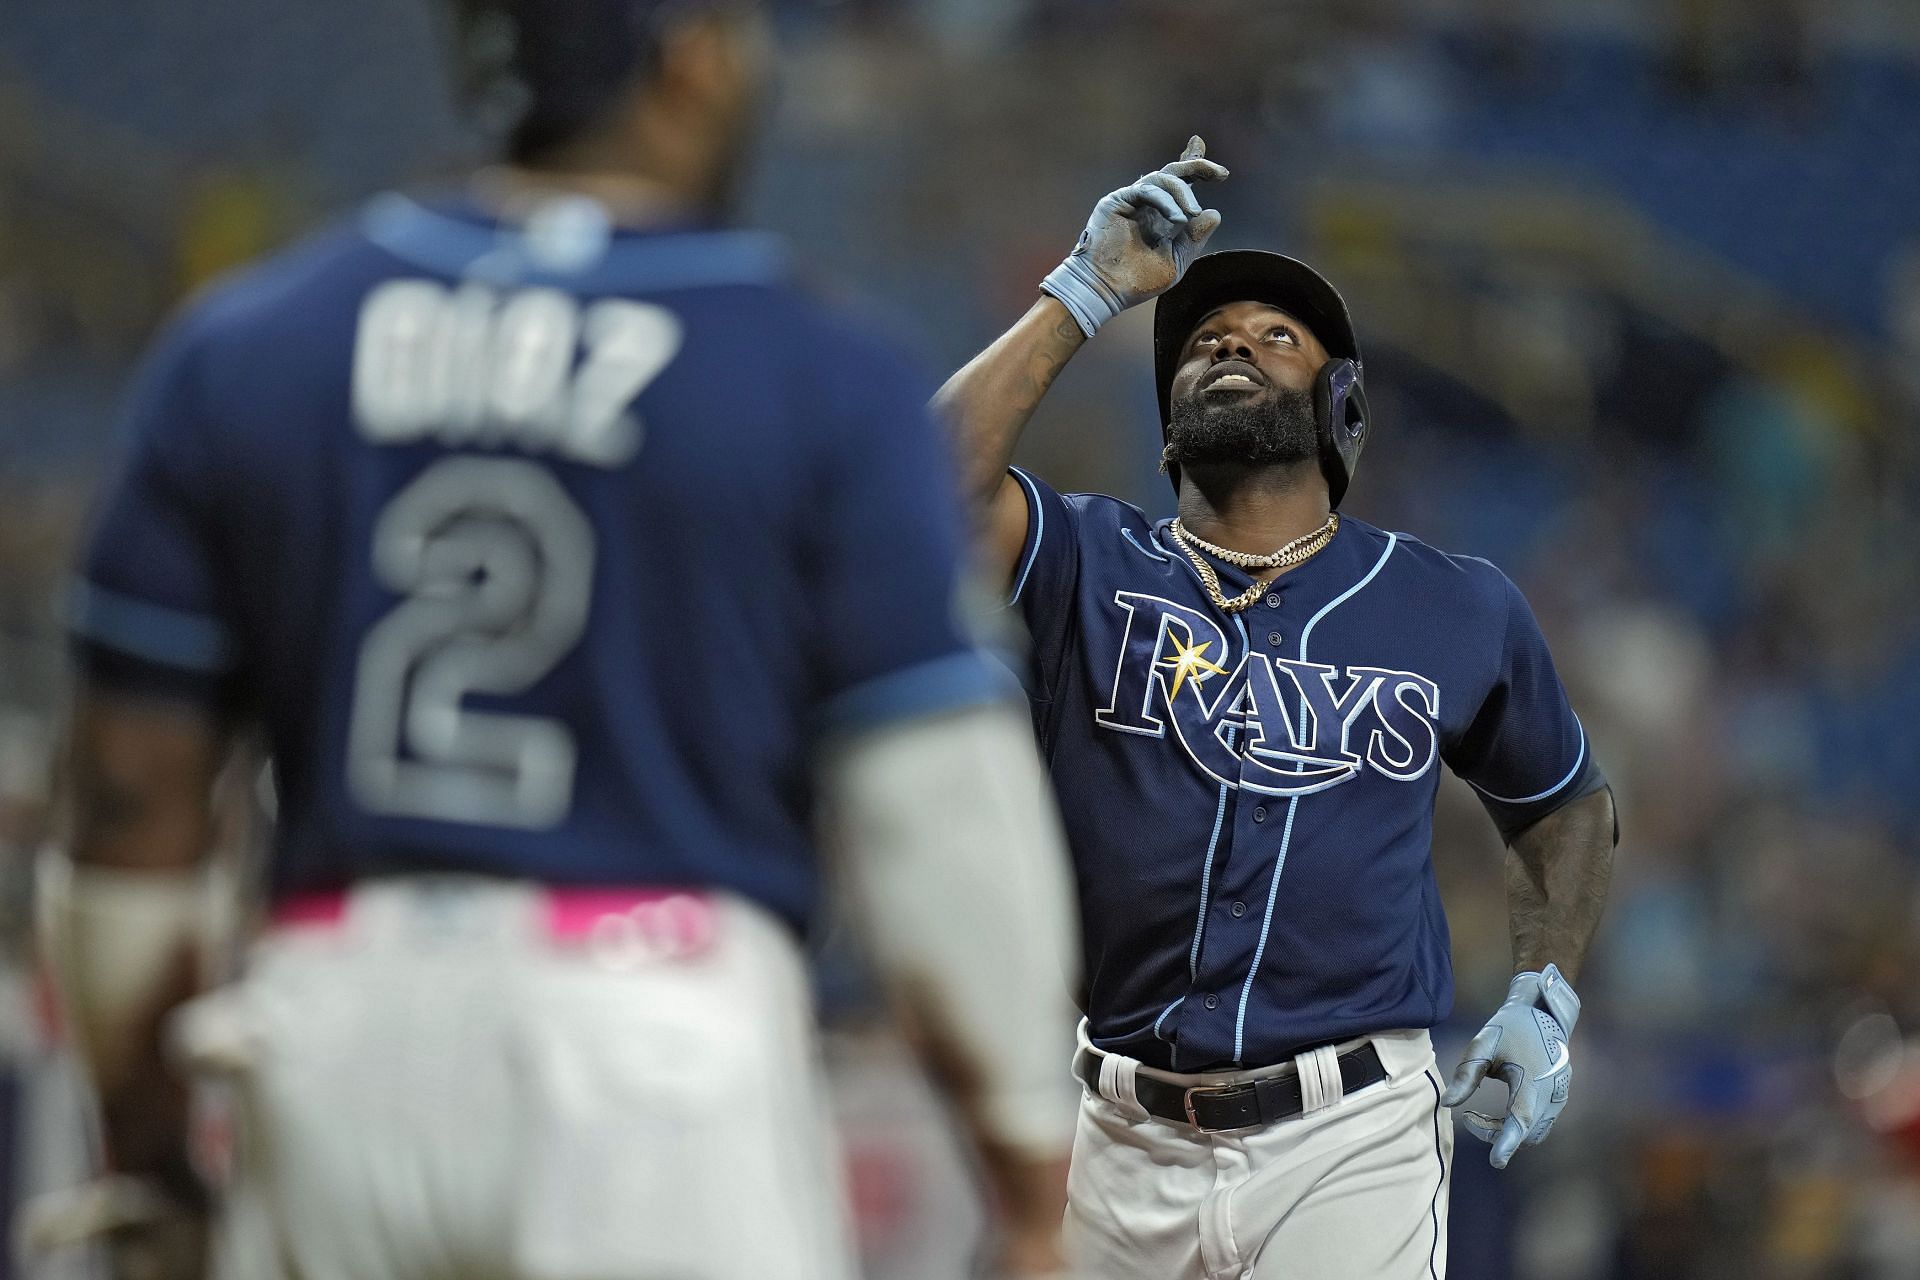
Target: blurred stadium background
1640, 284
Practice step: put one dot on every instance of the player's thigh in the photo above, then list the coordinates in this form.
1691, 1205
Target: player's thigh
371, 1101
536, 1113
1136, 1191
1376, 1207
676, 1122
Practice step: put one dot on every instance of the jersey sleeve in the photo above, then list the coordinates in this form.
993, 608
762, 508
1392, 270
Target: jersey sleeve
887, 553
1525, 753
146, 612
1044, 581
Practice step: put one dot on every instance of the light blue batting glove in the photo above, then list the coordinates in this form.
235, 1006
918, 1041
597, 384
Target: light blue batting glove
1139, 241
1524, 1044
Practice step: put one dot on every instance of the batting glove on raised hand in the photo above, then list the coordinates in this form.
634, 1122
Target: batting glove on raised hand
1139, 241
1524, 1044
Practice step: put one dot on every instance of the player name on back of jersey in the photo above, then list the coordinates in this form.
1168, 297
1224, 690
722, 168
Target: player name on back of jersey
472, 365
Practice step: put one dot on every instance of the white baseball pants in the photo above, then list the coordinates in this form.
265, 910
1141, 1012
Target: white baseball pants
436, 1087
1353, 1189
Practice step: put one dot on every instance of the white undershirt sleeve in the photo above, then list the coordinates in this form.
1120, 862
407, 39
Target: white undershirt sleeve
957, 863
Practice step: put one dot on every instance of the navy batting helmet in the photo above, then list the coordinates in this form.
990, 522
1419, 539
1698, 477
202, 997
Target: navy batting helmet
545, 70
1248, 275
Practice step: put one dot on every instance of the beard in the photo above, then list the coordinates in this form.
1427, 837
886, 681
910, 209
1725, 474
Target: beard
1275, 430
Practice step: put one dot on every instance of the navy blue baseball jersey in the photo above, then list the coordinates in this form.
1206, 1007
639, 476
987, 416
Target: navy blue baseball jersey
1250, 797
549, 551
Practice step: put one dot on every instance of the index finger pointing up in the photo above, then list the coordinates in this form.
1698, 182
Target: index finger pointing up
1193, 165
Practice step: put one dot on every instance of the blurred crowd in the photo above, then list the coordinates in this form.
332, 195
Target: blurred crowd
1640, 289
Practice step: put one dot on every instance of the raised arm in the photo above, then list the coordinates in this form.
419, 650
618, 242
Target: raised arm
1135, 247
988, 404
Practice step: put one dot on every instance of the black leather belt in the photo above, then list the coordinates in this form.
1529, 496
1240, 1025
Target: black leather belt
1237, 1106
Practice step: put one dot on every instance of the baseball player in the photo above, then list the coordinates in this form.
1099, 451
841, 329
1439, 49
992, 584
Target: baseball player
1244, 708
568, 558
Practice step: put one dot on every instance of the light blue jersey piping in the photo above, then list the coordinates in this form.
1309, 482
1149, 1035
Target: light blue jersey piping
1293, 805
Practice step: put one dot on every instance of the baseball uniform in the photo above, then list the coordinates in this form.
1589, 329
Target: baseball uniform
543, 553
1249, 798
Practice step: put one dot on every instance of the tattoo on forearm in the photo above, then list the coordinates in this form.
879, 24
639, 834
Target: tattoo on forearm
1557, 873
1046, 364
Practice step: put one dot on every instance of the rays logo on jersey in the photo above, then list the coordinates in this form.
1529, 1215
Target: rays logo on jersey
1271, 724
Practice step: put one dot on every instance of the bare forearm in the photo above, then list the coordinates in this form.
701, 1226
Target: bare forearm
139, 781
990, 401
126, 911
1557, 874
947, 826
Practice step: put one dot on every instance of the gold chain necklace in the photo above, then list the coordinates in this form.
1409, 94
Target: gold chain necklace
1299, 550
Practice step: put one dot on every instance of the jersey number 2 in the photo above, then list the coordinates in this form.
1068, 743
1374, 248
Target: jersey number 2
495, 562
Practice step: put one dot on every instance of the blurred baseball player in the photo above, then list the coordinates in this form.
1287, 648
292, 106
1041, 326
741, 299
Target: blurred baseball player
568, 558
1243, 708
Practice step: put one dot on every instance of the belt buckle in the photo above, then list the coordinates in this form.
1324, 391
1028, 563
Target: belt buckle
1215, 1091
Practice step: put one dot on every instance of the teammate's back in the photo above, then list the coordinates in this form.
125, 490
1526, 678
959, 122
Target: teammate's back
573, 562
548, 548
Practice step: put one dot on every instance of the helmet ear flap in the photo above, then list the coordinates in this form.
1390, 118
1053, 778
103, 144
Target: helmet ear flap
1340, 412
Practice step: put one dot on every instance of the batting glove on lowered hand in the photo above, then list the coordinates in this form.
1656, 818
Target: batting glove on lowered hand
1139, 241
1524, 1044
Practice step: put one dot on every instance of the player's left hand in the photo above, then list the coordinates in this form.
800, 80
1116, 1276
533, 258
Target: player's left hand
148, 1232
1139, 241
1524, 1044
